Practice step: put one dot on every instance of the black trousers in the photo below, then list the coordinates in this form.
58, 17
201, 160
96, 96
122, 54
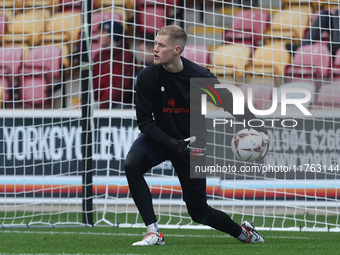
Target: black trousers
145, 154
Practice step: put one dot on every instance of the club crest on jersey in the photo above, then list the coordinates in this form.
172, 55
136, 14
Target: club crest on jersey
172, 102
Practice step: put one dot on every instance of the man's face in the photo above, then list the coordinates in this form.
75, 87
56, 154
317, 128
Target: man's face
164, 50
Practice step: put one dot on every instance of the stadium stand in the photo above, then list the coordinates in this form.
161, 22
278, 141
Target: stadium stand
42, 71
230, 60
286, 4
154, 14
150, 18
36, 5
12, 4
197, 53
11, 60
288, 25
270, 59
129, 4
63, 30
71, 5
311, 61
64, 27
248, 27
24, 30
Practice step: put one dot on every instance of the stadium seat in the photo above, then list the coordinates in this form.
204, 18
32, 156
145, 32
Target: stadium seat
41, 72
328, 96
74, 5
24, 30
152, 14
50, 5
165, 4
197, 53
248, 27
311, 61
11, 61
11, 4
150, 19
262, 95
270, 59
288, 25
129, 4
70, 6
285, 4
230, 60
64, 28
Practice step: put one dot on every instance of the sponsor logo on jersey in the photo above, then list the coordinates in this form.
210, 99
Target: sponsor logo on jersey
173, 109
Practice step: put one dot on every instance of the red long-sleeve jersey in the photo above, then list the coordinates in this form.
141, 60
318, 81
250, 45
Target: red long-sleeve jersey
116, 73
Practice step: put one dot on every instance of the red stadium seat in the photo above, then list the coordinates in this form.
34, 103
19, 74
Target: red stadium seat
42, 70
197, 53
328, 96
11, 60
150, 19
165, 4
311, 61
152, 14
248, 27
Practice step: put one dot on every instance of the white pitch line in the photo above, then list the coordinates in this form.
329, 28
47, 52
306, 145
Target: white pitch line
131, 234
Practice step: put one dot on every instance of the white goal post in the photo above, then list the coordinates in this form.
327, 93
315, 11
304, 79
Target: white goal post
296, 187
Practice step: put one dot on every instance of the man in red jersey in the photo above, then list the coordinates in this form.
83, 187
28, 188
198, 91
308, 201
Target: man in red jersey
113, 71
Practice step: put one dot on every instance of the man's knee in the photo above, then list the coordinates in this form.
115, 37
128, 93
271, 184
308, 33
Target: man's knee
199, 213
136, 161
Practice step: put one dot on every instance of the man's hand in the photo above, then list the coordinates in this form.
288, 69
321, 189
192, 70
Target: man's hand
183, 146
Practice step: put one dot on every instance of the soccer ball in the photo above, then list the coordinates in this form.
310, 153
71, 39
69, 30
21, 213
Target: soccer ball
247, 145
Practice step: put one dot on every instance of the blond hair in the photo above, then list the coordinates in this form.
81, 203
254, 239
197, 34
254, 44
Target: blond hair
176, 34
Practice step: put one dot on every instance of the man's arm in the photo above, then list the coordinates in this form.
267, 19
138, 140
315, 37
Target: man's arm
146, 123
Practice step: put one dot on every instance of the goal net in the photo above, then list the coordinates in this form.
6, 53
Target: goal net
68, 115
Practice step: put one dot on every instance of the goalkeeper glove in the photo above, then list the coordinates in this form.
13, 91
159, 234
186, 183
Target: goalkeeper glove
184, 148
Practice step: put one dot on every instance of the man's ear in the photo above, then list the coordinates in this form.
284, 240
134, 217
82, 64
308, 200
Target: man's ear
178, 50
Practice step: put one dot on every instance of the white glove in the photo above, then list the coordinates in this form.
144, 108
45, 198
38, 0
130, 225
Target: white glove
194, 151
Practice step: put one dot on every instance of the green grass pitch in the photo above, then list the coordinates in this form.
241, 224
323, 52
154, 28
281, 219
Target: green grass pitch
115, 240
